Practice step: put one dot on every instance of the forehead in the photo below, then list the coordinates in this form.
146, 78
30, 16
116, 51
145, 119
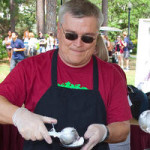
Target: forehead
85, 24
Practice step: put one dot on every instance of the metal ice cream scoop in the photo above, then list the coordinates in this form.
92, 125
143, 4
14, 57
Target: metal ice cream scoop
67, 136
144, 121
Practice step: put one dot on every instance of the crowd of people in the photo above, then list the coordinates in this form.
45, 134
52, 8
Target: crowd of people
18, 49
118, 50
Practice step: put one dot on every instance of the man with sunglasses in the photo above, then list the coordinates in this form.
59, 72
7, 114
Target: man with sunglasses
69, 87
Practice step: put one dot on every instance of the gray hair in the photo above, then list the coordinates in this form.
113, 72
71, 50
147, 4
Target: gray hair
80, 9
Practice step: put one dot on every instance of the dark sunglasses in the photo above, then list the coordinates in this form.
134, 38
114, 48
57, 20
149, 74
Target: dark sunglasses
73, 36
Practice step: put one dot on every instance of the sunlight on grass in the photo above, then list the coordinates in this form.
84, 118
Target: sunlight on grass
4, 71
130, 77
131, 73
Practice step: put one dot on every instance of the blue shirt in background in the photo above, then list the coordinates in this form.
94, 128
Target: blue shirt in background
17, 44
126, 40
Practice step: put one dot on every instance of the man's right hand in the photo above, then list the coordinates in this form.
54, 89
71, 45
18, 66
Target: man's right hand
31, 126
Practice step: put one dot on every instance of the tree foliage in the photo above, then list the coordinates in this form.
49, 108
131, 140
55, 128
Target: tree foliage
24, 17
118, 14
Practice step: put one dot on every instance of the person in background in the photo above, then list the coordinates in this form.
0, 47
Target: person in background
17, 50
126, 51
7, 42
104, 38
119, 50
76, 88
42, 43
32, 44
26, 43
50, 41
56, 42
109, 46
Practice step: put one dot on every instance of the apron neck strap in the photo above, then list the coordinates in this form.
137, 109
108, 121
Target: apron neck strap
95, 74
54, 71
54, 68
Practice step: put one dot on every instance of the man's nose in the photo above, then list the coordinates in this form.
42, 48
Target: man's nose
78, 42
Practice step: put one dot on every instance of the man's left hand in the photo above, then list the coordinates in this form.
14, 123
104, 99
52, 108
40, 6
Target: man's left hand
95, 134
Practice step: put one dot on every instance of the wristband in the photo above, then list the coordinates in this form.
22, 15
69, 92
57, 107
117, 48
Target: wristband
107, 135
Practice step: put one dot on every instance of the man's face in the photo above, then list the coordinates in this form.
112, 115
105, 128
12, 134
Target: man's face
14, 36
77, 53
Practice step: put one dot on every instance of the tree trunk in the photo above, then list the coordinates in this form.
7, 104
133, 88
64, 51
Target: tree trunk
105, 12
12, 15
51, 16
40, 15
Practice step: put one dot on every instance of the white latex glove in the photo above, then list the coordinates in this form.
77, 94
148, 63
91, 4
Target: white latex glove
31, 126
95, 134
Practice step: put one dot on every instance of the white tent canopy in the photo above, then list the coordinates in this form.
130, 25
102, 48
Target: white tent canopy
105, 28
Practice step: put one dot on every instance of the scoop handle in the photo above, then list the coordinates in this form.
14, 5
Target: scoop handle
54, 134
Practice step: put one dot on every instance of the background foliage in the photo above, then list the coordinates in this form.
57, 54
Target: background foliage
117, 16
3, 52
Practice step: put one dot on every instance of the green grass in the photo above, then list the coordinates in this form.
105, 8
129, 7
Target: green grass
131, 73
4, 71
130, 77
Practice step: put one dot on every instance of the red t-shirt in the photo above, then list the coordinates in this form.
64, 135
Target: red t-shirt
31, 78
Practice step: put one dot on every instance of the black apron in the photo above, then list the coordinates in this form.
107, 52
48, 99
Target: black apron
71, 107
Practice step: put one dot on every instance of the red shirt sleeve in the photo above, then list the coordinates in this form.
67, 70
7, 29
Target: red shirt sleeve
14, 86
